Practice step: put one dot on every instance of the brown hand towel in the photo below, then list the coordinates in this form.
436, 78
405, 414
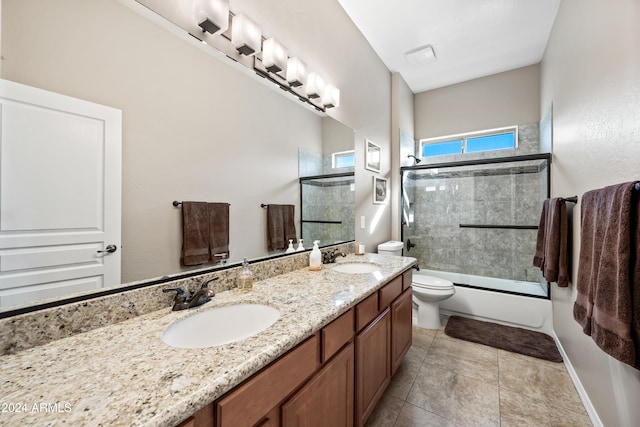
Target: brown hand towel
635, 273
605, 282
280, 226
195, 233
218, 230
538, 259
551, 245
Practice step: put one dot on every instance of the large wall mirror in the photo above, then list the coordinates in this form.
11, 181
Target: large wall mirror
193, 126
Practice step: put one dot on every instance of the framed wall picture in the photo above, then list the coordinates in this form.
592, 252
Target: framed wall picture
372, 156
379, 190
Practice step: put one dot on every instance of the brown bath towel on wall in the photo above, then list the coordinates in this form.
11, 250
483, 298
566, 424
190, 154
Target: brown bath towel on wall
552, 242
280, 226
218, 230
195, 233
607, 305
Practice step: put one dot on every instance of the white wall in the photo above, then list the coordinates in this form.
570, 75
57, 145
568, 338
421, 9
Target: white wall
402, 125
195, 128
504, 99
591, 74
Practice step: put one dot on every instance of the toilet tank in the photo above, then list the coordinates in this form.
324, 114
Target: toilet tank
391, 247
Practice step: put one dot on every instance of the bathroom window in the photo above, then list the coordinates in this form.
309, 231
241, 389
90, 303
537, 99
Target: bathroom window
343, 159
473, 142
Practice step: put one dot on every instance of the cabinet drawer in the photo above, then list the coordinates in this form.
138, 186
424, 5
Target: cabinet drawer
336, 334
366, 311
407, 277
389, 292
250, 402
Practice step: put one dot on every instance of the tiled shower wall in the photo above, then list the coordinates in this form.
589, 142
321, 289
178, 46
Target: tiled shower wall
501, 194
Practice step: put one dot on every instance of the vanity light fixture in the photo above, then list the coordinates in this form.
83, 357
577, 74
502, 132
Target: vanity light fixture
315, 85
212, 15
274, 56
296, 72
330, 96
246, 36
274, 64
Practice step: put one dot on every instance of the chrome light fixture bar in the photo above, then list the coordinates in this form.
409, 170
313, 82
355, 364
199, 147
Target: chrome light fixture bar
240, 39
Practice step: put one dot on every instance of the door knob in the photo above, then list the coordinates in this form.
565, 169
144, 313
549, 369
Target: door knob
109, 249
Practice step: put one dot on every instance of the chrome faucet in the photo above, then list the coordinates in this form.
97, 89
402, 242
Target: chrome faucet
329, 257
196, 298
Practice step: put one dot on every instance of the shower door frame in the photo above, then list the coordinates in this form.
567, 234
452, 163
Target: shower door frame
486, 161
302, 180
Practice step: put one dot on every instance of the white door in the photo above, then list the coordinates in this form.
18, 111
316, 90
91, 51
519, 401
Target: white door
60, 194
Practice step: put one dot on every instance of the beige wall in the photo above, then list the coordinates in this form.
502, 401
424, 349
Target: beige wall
194, 127
402, 123
504, 99
591, 74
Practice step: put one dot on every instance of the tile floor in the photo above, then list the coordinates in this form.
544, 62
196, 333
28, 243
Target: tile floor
447, 382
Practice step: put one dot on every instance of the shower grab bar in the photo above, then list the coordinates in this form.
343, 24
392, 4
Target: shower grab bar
500, 226
321, 222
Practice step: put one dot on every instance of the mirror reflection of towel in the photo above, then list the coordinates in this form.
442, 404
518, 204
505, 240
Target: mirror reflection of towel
205, 232
218, 230
195, 233
281, 226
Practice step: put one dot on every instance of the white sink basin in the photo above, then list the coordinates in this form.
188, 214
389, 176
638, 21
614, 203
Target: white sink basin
220, 326
357, 267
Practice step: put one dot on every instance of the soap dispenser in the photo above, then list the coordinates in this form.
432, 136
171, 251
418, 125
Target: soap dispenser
290, 249
300, 247
315, 257
245, 279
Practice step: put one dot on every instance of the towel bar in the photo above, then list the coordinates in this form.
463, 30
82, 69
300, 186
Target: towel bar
572, 199
262, 205
177, 203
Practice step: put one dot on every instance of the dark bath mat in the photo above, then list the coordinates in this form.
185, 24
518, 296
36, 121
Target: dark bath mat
517, 340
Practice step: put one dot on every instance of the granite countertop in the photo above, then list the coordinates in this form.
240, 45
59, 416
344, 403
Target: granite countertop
125, 375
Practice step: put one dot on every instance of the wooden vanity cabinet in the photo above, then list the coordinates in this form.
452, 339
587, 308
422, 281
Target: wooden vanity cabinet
326, 400
401, 331
252, 402
202, 418
373, 365
334, 378
382, 345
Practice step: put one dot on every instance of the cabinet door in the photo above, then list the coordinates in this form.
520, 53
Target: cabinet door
327, 400
400, 329
373, 365
251, 402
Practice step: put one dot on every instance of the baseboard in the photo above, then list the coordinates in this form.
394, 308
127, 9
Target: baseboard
591, 411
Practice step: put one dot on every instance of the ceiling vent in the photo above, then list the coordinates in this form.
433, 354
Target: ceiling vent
420, 56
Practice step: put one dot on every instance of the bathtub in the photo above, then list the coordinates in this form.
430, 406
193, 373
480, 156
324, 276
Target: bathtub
513, 310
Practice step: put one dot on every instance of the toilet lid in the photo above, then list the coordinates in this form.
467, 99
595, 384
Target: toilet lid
430, 282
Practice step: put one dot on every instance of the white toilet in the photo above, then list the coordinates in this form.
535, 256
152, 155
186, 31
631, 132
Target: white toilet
428, 291
391, 247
